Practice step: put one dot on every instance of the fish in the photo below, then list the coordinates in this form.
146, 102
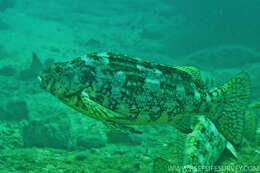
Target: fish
123, 90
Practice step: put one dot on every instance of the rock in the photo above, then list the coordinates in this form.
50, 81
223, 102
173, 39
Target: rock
223, 57
16, 110
5, 4
3, 51
90, 142
52, 132
49, 61
10, 136
36, 63
81, 156
4, 26
7, 71
117, 137
93, 43
54, 49
34, 69
3, 114
152, 33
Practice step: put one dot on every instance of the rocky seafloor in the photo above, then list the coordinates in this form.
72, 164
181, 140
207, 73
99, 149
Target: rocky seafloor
40, 134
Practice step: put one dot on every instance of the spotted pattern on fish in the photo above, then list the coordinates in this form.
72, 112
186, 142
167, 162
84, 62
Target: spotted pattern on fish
137, 87
132, 91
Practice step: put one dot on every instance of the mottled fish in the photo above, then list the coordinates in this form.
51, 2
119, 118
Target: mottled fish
119, 89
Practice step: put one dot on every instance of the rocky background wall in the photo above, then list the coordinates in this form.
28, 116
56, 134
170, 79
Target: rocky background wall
40, 134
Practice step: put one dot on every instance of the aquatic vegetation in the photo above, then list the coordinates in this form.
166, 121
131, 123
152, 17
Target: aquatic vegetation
10, 135
51, 160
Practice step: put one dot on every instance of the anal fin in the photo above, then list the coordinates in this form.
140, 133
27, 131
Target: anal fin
202, 147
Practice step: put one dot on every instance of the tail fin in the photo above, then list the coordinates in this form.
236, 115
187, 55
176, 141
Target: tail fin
233, 98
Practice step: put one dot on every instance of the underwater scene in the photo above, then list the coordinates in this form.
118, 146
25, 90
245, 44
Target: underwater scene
129, 86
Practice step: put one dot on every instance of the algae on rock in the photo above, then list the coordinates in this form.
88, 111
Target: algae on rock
10, 135
51, 132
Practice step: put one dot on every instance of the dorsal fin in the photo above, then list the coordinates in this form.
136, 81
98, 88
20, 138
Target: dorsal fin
193, 71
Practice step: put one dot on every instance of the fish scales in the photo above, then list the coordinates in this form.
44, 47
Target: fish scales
120, 90
147, 87
125, 90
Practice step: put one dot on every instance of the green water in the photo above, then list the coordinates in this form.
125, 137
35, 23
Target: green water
40, 134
